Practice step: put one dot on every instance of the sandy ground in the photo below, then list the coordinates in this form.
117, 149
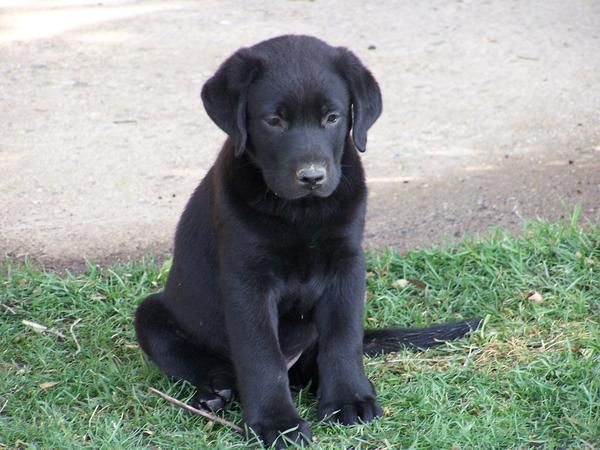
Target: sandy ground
491, 115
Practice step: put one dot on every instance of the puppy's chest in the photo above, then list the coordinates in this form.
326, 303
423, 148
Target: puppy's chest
297, 298
303, 273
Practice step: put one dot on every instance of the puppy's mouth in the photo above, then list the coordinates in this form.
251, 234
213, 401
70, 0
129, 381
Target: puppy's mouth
287, 189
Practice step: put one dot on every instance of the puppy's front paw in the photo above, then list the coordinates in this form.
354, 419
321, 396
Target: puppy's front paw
282, 431
360, 409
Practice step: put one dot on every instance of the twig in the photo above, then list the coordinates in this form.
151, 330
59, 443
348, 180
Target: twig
75, 337
8, 308
199, 412
42, 328
92, 416
36, 326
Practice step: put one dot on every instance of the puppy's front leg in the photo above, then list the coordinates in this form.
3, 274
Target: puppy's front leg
345, 394
261, 371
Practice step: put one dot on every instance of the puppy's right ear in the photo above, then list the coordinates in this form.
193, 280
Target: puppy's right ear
225, 95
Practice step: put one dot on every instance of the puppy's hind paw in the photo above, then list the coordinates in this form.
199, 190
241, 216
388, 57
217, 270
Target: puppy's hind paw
213, 400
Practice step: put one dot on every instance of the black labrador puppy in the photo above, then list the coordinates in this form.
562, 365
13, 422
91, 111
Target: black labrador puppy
267, 284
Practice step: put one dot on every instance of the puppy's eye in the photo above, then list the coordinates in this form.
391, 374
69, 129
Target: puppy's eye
332, 119
274, 121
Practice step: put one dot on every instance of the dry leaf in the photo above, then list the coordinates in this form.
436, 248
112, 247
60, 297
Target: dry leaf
535, 297
400, 283
418, 283
48, 384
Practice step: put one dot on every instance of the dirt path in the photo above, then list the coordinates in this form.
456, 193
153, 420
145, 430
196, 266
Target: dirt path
491, 113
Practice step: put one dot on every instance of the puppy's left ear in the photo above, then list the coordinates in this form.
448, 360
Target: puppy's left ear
225, 95
365, 95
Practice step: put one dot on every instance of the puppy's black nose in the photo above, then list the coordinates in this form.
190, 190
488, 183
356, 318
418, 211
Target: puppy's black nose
312, 177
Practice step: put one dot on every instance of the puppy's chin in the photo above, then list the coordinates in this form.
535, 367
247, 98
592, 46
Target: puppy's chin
322, 192
297, 193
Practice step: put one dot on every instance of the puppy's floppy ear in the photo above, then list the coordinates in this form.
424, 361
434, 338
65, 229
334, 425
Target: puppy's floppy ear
365, 95
225, 95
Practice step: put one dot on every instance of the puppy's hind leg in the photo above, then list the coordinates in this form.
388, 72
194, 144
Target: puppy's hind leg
305, 371
165, 343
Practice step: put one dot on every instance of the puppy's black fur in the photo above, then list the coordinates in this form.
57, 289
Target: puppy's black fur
268, 277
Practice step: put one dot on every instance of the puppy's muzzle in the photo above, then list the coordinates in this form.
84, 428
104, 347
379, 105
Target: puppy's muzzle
312, 176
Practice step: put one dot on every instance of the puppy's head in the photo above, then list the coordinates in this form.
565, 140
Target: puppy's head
290, 104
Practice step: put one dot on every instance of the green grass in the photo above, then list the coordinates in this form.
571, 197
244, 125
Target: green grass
530, 377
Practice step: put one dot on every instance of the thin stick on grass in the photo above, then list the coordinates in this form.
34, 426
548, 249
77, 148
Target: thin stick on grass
38, 327
8, 308
75, 337
198, 412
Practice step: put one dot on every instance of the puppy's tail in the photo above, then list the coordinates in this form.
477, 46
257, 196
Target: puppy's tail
391, 339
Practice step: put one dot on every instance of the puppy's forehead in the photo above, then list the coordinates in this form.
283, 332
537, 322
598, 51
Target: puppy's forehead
299, 88
294, 51
298, 71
